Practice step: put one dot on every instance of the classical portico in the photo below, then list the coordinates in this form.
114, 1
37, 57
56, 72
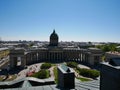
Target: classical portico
15, 56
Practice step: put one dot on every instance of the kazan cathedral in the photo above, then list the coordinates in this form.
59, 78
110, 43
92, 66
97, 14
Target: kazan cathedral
56, 53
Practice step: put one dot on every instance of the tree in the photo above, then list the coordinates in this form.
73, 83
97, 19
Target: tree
31, 44
108, 47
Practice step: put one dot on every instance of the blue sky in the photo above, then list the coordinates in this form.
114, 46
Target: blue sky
73, 20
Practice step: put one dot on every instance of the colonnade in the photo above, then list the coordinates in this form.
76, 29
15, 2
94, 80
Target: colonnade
40, 56
61, 55
78, 56
57, 56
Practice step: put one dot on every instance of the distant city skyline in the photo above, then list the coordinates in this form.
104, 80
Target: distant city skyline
73, 20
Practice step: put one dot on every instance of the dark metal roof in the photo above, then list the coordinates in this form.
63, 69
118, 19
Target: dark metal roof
115, 61
90, 85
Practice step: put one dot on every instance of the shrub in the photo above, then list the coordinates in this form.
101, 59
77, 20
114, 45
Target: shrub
89, 73
72, 64
45, 66
42, 74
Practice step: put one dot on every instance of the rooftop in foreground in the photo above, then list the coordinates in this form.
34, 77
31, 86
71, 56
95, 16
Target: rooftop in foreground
26, 85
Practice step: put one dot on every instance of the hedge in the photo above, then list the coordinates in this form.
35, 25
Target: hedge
72, 64
45, 66
89, 73
42, 74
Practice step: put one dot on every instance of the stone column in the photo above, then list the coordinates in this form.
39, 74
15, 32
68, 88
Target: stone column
83, 57
27, 58
57, 56
87, 58
61, 56
23, 62
12, 63
30, 58
53, 56
50, 56
42, 56
38, 58
35, 57
46, 56
79, 56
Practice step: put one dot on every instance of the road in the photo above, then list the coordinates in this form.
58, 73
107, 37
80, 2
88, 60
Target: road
4, 62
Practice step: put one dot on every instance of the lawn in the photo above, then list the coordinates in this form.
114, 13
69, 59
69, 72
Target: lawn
55, 74
83, 79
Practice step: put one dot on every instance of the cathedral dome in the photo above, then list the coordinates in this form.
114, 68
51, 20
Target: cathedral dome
54, 35
54, 39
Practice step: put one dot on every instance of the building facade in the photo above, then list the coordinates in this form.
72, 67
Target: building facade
111, 55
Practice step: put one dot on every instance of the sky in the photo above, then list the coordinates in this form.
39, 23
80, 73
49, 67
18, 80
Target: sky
73, 20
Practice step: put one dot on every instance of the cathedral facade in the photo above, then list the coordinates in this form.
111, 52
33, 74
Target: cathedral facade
56, 53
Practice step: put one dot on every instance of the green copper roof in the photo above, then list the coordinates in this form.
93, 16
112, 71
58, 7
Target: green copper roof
26, 83
65, 68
